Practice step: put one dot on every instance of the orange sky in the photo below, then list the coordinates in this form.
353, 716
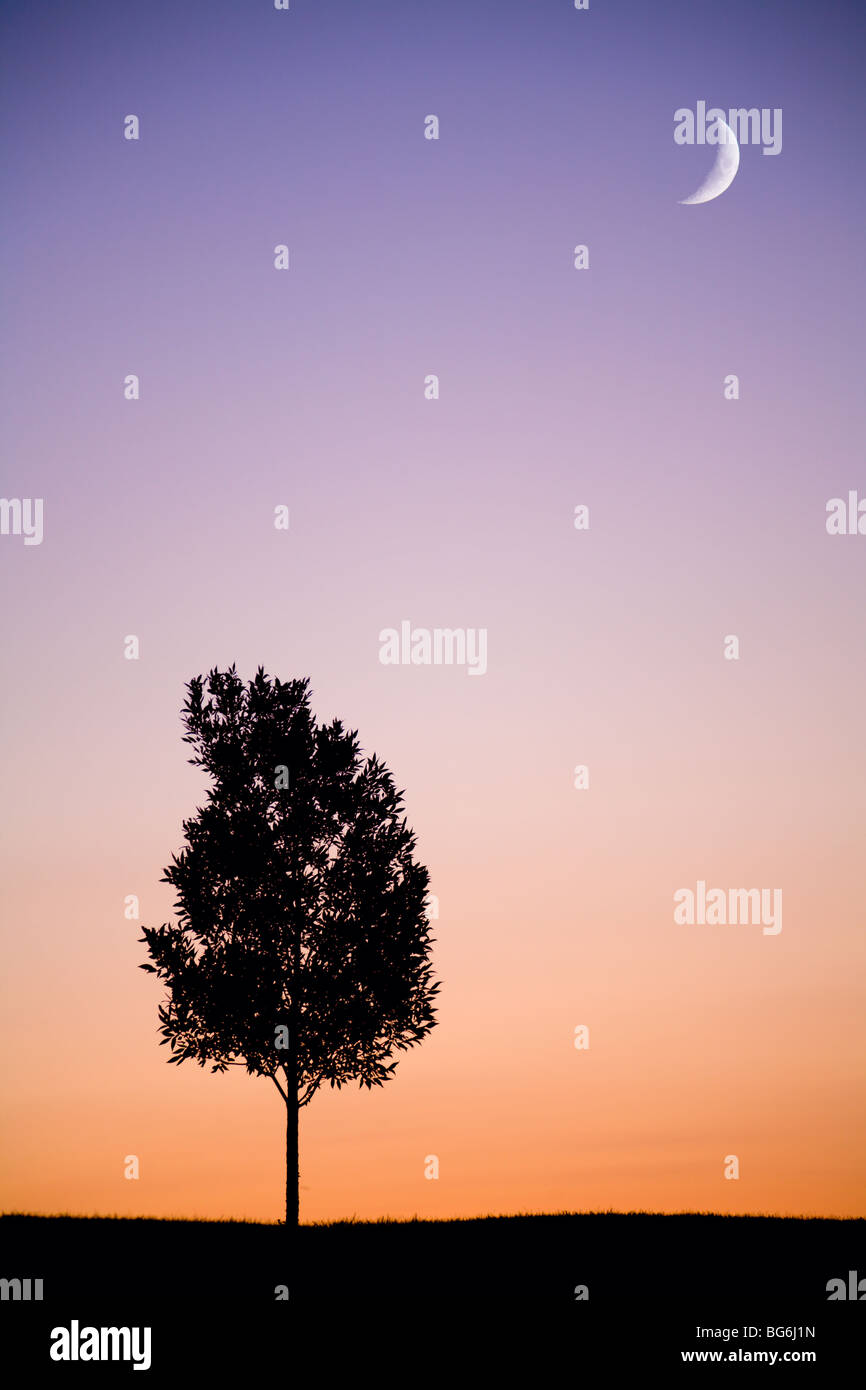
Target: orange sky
704, 1041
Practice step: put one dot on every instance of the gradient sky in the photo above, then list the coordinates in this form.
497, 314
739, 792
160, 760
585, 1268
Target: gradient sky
558, 387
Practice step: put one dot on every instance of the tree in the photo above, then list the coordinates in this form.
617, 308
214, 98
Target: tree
301, 949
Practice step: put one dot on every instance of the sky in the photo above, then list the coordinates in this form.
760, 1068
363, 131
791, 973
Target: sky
602, 387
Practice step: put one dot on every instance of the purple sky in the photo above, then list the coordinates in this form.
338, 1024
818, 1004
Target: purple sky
558, 387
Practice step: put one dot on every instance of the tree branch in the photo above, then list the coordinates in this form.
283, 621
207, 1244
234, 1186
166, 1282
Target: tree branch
311, 1090
278, 1086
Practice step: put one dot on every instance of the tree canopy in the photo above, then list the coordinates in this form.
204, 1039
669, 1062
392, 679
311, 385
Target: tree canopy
301, 948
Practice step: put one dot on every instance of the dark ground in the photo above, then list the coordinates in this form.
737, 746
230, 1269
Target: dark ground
411, 1304
621, 1258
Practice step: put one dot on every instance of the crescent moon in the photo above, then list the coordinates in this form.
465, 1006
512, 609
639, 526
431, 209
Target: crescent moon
722, 174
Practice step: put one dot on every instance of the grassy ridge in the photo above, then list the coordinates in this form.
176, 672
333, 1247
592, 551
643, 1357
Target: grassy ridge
625, 1257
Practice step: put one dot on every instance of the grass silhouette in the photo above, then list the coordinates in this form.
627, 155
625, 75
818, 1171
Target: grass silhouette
621, 1257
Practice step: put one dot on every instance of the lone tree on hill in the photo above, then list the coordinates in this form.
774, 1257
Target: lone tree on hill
302, 949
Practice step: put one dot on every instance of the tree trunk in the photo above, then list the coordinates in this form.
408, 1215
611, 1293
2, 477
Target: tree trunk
292, 1164
293, 1177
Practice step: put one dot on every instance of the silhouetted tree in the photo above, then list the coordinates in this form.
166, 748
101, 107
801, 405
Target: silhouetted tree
301, 949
